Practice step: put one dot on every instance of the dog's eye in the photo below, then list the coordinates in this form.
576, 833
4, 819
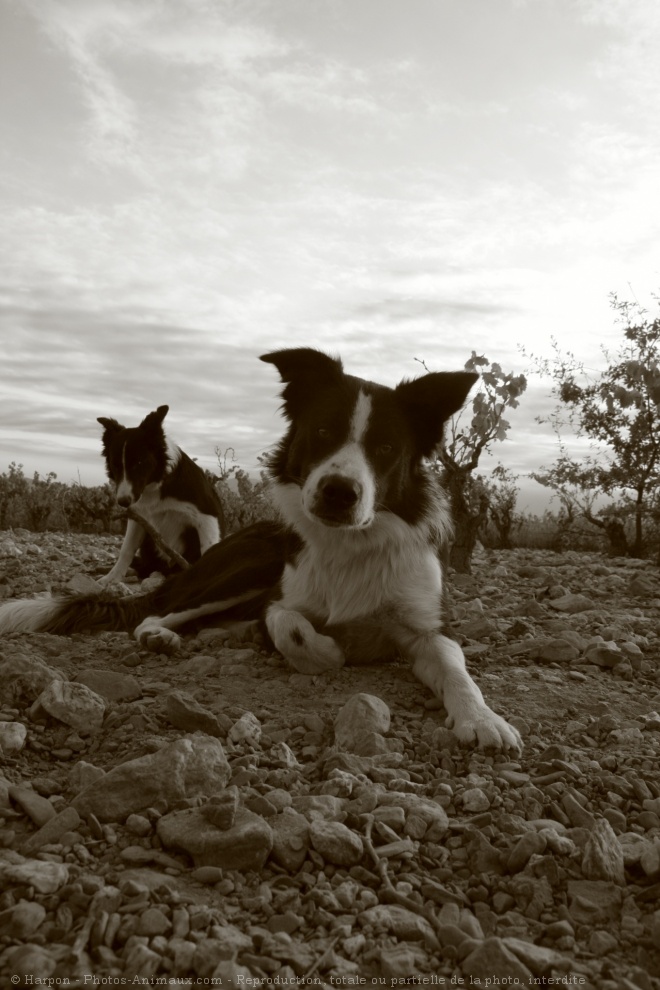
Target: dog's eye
384, 448
323, 433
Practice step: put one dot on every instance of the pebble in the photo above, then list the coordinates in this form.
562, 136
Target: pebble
188, 767
603, 856
31, 963
74, 704
185, 713
220, 809
475, 800
138, 825
397, 963
38, 808
22, 920
13, 736
336, 843
45, 877
557, 651
24, 677
290, 839
572, 603
577, 814
110, 685
153, 922
528, 845
493, 961
404, 924
603, 654
207, 875
66, 821
244, 846
360, 725
246, 731
509, 853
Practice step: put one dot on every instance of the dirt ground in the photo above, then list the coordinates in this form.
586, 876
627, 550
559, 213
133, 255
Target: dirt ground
383, 853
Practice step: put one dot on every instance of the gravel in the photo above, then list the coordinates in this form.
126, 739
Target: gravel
210, 816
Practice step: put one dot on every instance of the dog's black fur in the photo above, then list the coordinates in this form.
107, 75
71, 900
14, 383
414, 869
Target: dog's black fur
352, 571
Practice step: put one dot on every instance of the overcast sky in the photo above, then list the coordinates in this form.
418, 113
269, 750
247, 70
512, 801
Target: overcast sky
186, 184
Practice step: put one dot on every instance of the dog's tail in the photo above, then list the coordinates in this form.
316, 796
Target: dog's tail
234, 578
67, 614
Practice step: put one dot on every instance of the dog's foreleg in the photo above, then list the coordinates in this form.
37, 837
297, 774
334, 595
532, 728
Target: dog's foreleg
156, 632
132, 542
439, 663
299, 643
208, 530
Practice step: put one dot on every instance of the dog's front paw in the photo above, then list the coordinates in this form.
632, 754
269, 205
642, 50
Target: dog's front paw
157, 638
313, 653
487, 729
114, 583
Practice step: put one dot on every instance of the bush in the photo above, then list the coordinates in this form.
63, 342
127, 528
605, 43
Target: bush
549, 532
244, 500
32, 503
91, 510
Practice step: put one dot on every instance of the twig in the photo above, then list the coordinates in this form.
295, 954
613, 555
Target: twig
381, 866
167, 551
321, 959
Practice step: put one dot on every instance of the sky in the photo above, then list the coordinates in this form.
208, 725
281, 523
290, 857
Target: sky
188, 184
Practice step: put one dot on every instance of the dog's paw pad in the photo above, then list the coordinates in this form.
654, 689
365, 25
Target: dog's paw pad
158, 639
488, 730
317, 656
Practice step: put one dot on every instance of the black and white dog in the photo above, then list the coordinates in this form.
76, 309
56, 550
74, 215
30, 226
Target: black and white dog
353, 571
166, 487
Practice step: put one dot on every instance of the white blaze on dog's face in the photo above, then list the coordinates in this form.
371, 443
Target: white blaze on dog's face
341, 490
355, 449
138, 456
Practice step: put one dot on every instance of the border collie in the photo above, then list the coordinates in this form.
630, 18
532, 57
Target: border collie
166, 487
353, 571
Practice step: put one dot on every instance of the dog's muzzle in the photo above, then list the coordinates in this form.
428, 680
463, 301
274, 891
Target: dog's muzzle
336, 499
125, 495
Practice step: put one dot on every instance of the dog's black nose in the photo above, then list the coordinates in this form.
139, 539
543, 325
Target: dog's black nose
340, 493
124, 501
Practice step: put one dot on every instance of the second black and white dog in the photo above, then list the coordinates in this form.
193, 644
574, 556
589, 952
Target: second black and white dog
167, 488
353, 571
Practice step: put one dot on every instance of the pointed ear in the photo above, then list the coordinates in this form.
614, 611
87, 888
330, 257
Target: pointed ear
155, 418
109, 425
431, 400
304, 370
303, 362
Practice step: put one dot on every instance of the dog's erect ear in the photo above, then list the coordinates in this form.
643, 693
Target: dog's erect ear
304, 363
109, 425
431, 400
304, 370
155, 418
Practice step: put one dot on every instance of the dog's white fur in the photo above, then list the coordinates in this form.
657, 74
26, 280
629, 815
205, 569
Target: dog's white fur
387, 572
351, 463
373, 571
169, 516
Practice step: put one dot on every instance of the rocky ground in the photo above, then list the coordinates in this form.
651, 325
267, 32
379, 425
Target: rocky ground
210, 818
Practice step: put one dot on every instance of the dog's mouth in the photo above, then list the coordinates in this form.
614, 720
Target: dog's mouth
333, 522
338, 502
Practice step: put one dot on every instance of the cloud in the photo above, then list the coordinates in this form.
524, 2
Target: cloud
409, 310
230, 178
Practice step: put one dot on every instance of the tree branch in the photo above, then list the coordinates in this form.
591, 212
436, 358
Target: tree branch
160, 543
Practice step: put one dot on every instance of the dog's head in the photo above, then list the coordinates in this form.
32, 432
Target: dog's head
134, 457
353, 447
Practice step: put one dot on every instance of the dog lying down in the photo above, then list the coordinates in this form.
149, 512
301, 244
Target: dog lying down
352, 572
